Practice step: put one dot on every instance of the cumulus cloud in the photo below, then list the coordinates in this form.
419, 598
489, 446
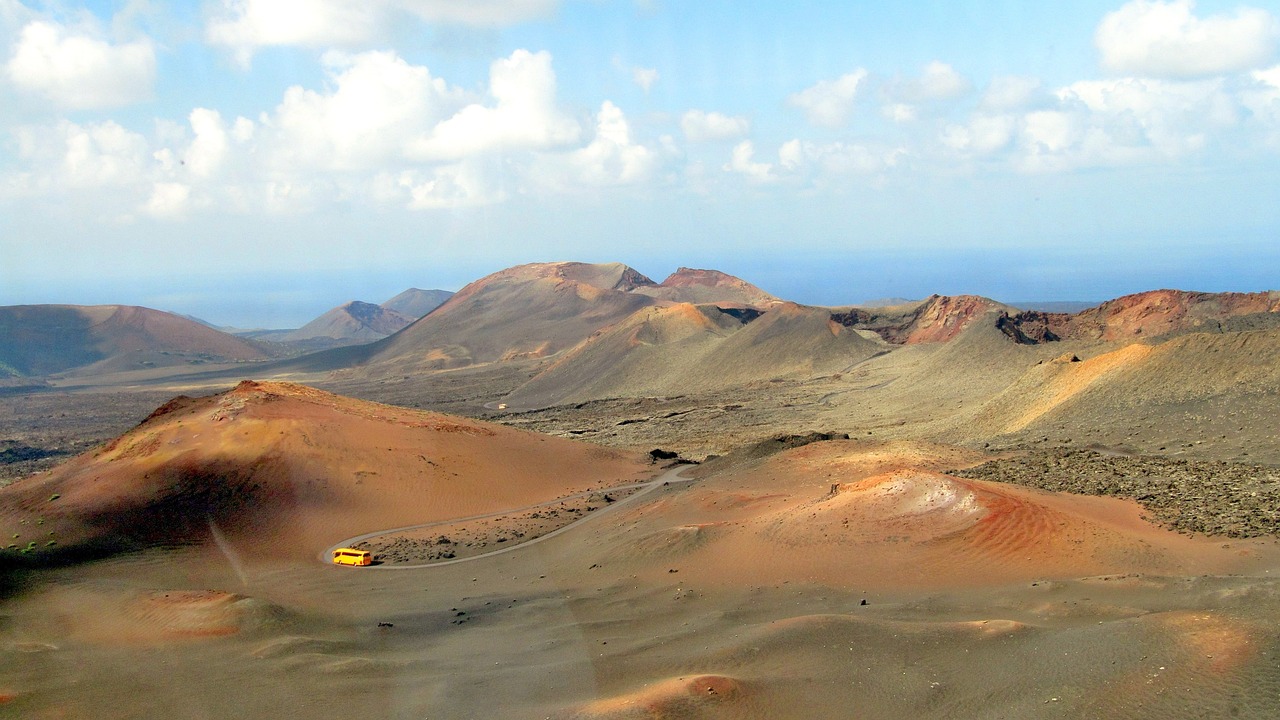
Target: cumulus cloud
829, 102
1170, 117
1128, 121
209, 148
168, 200
1011, 92
243, 26
981, 135
523, 115
1166, 40
377, 105
821, 161
70, 156
702, 126
1262, 100
463, 184
644, 77
612, 158
742, 161
939, 82
80, 71
478, 12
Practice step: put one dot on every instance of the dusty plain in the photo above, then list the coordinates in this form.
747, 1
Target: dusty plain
963, 527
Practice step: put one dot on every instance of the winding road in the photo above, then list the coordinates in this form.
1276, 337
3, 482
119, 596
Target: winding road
670, 477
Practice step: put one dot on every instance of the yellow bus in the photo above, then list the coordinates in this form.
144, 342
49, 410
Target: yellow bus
351, 556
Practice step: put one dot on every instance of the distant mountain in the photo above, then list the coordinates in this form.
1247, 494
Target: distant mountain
1155, 314
1166, 312
415, 303
208, 324
47, 339
1055, 306
689, 285
529, 311
356, 322
688, 348
886, 302
938, 318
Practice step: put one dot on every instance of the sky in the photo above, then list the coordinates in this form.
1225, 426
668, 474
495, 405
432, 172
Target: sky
257, 162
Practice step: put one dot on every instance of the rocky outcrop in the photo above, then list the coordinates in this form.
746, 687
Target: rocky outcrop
1029, 327
1169, 312
938, 318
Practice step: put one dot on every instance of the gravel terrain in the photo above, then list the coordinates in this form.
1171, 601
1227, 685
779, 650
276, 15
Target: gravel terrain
1192, 496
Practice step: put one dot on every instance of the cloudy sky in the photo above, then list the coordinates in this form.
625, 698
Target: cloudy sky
255, 162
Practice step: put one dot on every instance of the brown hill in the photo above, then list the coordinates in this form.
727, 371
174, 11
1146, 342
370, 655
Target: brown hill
687, 348
862, 515
1204, 387
48, 339
1165, 312
284, 470
937, 318
689, 285
530, 311
416, 302
355, 322
1158, 313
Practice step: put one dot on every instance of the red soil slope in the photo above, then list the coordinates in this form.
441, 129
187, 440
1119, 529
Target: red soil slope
286, 470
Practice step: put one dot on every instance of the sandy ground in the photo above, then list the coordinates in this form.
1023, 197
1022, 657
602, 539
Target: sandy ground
836, 579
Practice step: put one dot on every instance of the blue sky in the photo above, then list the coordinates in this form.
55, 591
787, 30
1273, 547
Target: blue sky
255, 162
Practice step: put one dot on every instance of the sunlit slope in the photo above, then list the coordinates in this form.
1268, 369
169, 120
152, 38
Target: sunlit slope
1163, 312
47, 339
1213, 376
287, 470
697, 348
864, 515
530, 311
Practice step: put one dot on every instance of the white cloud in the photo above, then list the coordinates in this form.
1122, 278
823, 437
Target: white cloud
209, 148
1262, 100
378, 105
1166, 40
464, 184
1011, 92
70, 156
741, 161
822, 162
1168, 117
245, 25
478, 12
168, 200
646, 78
524, 115
79, 71
612, 158
982, 135
829, 102
938, 83
900, 112
1051, 131
701, 126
